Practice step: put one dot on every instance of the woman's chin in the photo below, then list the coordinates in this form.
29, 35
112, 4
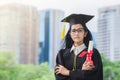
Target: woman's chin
77, 41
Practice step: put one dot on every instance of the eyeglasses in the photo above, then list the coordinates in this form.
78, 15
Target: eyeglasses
81, 30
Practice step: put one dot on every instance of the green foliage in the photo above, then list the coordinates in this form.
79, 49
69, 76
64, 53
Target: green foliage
32, 72
110, 69
4, 75
6, 59
11, 71
6, 64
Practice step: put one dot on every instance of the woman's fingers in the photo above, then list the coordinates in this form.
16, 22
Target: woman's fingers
87, 66
61, 70
58, 69
85, 62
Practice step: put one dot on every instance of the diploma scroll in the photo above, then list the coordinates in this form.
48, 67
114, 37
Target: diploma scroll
90, 52
90, 46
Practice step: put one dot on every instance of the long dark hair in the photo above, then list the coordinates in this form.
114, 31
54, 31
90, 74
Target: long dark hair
69, 42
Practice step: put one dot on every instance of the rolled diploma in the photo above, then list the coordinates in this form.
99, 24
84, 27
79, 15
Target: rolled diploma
90, 47
89, 55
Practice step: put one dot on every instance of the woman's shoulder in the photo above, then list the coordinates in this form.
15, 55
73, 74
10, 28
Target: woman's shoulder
96, 51
63, 51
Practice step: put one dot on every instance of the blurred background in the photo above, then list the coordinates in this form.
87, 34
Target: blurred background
30, 35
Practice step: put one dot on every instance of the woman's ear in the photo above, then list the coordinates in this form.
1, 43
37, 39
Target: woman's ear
85, 34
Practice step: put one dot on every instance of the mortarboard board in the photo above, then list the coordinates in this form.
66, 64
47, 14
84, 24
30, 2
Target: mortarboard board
77, 18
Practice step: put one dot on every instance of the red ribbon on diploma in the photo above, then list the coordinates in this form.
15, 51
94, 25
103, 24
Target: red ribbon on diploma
89, 56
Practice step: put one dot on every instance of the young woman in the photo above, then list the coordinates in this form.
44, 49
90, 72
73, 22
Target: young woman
71, 63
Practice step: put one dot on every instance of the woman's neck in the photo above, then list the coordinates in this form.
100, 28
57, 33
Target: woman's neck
78, 44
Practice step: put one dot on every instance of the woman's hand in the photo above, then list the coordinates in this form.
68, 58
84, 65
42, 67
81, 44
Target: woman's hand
87, 66
61, 70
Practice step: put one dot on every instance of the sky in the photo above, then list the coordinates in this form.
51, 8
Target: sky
69, 6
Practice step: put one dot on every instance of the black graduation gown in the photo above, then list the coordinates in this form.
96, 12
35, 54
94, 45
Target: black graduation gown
66, 58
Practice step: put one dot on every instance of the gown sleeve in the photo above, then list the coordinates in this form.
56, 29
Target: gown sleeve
94, 74
59, 60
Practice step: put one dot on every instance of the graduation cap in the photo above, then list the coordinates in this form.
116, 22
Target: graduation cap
75, 19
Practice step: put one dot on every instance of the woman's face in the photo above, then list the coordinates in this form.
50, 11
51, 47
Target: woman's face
77, 33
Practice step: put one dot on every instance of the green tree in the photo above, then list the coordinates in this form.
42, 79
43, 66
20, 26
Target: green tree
9, 70
33, 72
110, 69
7, 61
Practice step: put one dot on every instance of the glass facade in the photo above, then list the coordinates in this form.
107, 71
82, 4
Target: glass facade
108, 32
49, 35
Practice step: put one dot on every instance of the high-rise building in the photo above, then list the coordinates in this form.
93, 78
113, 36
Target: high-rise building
19, 32
49, 35
109, 31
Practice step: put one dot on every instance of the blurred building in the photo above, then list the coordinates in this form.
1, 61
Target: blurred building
94, 38
49, 35
109, 32
19, 32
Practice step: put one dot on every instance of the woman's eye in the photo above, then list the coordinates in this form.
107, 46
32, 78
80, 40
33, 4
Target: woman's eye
73, 30
79, 30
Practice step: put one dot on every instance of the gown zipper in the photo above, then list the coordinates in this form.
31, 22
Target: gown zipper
74, 63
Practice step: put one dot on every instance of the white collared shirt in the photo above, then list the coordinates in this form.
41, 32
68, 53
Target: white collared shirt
78, 49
